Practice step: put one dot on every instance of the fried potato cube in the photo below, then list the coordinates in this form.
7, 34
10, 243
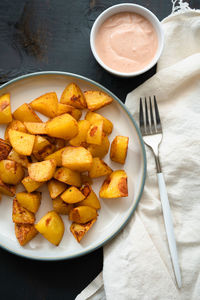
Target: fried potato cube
16, 125
86, 179
46, 104
25, 233
77, 159
72, 195
115, 185
64, 126
96, 99
57, 156
20, 159
30, 184
58, 143
42, 148
68, 176
35, 128
6, 189
94, 117
61, 207
82, 214
55, 188
30, 201
51, 226
11, 172
90, 197
5, 148
72, 95
79, 230
25, 113
21, 215
21, 142
80, 138
118, 150
64, 108
42, 171
95, 133
100, 150
5, 110
99, 168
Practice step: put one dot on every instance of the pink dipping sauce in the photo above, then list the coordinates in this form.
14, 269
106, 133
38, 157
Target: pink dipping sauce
126, 42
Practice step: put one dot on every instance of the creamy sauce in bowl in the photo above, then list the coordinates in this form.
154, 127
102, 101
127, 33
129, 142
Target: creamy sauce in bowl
126, 42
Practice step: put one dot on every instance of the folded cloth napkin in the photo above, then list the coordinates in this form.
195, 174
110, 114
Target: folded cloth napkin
137, 262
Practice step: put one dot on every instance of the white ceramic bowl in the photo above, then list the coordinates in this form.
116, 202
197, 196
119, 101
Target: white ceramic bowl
134, 8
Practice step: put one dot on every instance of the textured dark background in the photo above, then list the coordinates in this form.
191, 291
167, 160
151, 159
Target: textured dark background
38, 35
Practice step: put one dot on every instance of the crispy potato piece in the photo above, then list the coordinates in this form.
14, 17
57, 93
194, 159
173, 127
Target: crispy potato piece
64, 108
11, 172
42, 171
61, 207
30, 201
20, 159
68, 176
6, 189
90, 197
77, 158
21, 142
99, 168
86, 179
72, 195
79, 230
64, 126
46, 104
25, 233
100, 150
57, 156
93, 117
51, 226
95, 133
42, 148
82, 214
80, 138
25, 113
35, 128
96, 99
30, 184
55, 188
118, 150
16, 125
72, 95
21, 215
5, 110
58, 143
115, 185
4, 149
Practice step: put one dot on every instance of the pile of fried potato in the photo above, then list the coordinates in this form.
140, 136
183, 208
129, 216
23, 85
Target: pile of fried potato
64, 152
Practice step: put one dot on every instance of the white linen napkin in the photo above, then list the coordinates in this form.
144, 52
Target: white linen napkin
137, 262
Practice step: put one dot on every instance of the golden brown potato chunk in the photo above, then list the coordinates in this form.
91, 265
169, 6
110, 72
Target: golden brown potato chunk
11, 172
79, 230
30, 184
90, 197
72, 95
99, 168
86, 179
25, 233
42, 148
72, 195
61, 207
64, 127
16, 125
100, 150
82, 214
35, 128
115, 185
57, 156
118, 150
56, 188
20, 159
25, 113
68, 176
46, 104
42, 171
64, 108
30, 201
77, 158
21, 142
80, 138
51, 226
21, 215
96, 99
5, 110
95, 133
6, 189
5, 148
93, 117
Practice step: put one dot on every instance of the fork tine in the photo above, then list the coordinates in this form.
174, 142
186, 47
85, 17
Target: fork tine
158, 122
153, 129
142, 128
148, 126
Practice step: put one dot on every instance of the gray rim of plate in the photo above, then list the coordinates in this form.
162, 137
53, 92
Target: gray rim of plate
67, 74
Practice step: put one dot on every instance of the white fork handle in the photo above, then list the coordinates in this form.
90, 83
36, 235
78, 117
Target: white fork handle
169, 227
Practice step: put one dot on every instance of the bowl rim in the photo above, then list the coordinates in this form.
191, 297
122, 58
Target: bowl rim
157, 26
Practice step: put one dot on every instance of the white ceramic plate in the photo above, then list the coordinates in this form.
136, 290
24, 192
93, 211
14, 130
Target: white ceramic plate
114, 213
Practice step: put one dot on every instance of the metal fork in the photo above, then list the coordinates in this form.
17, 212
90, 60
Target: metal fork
151, 130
